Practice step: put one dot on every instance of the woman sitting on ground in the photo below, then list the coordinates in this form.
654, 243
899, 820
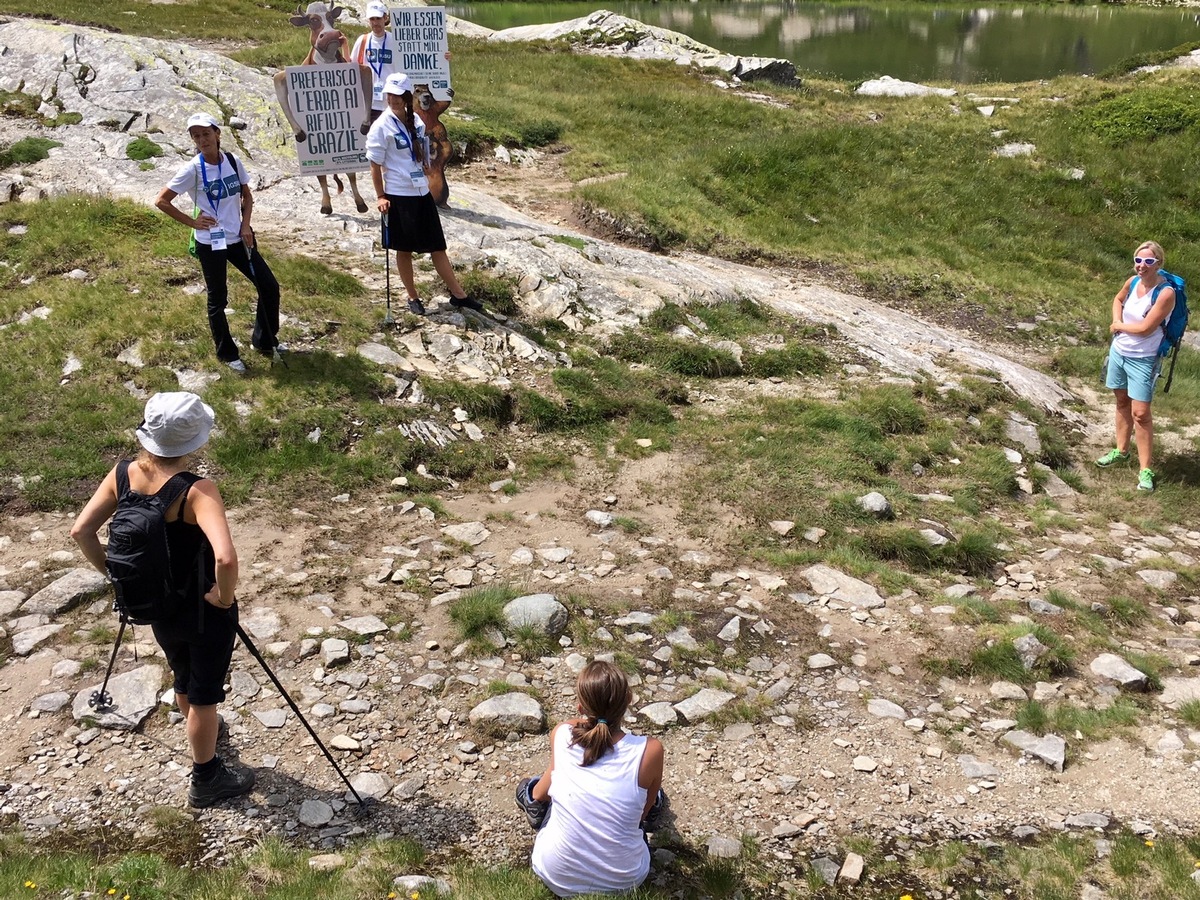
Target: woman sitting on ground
605, 787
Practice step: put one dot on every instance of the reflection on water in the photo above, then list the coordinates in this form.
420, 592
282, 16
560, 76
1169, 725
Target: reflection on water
911, 41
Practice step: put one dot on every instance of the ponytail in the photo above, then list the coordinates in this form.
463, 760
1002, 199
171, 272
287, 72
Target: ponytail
418, 146
603, 692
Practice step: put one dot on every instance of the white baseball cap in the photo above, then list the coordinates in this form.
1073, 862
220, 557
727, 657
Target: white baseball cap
203, 120
376, 10
397, 83
176, 423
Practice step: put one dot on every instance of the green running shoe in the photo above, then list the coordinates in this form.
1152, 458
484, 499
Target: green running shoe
1111, 457
1146, 480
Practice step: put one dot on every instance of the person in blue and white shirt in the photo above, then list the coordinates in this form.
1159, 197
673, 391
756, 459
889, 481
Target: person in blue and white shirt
222, 204
378, 50
399, 152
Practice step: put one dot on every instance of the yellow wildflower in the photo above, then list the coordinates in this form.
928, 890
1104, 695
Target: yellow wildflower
906, 897
1149, 843
32, 885
111, 891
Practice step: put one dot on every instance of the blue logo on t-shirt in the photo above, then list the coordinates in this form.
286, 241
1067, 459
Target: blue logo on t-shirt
384, 56
217, 191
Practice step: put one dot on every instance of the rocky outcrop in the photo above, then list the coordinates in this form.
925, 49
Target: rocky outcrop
609, 34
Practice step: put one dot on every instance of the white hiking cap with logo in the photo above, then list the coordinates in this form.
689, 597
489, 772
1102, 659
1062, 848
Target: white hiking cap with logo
397, 83
202, 120
376, 10
176, 423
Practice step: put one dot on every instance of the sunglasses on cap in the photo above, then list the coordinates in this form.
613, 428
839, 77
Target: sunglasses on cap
1145, 260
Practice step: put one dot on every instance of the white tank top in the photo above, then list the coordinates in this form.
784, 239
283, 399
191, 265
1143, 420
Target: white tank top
591, 841
1134, 312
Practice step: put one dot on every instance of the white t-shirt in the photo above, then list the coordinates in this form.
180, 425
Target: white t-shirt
382, 55
217, 190
390, 145
1137, 307
591, 841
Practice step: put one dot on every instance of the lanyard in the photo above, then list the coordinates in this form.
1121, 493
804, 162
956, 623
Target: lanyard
403, 137
204, 176
377, 69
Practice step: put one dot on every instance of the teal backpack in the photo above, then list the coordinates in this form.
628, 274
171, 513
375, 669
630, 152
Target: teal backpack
1176, 323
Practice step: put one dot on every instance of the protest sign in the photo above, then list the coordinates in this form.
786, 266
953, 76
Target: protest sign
420, 35
328, 104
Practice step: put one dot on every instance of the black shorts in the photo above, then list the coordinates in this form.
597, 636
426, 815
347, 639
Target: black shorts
414, 225
199, 661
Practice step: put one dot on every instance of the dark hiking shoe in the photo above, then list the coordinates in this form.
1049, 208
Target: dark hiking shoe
416, 307
226, 782
654, 818
534, 810
466, 303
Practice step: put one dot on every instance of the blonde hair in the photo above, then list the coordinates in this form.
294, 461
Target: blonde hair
603, 692
1155, 247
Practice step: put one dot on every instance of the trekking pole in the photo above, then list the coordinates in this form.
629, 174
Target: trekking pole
1171, 371
362, 804
101, 700
387, 268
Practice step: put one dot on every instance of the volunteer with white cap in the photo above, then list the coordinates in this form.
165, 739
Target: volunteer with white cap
378, 50
197, 641
220, 221
399, 152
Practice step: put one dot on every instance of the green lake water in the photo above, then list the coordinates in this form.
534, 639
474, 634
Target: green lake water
915, 42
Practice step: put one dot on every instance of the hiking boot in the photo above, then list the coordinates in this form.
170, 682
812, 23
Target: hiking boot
535, 811
227, 782
654, 818
237, 365
1146, 480
1112, 457
467, 302
416, 307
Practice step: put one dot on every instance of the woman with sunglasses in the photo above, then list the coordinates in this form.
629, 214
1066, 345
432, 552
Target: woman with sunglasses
1139, 311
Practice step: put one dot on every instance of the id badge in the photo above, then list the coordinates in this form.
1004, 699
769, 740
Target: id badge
377, 92
216, 237
419, 181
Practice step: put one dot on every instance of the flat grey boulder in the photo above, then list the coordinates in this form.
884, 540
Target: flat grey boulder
1158, 578
722, 847
886, 709
67, 592
703, 704
383, 355
509, 712
1006, 690
472, 533
661, 714
1049, 748
1087, 820
51, 703
829, 582
26, 641
134, 696
1029, 649
315, 813
365, 625
1179, 690
974, 768
370, 785
887, 86
540, 611
1111, 667
682, 638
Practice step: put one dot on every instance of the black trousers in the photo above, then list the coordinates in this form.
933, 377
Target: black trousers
254, 267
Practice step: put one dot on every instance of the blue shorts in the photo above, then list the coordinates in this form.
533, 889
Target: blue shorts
1134, 374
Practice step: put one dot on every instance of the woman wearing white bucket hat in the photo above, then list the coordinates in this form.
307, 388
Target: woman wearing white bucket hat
177, 424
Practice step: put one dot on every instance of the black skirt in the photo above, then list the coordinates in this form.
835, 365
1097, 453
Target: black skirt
413, 225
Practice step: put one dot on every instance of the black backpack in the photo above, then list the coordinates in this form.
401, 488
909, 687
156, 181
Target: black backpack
139, 556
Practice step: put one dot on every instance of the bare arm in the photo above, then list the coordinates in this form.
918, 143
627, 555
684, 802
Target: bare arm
86, 530
383, 205
650, 773
1154, 318
166, 202
541, 790
206, 509
1119, 301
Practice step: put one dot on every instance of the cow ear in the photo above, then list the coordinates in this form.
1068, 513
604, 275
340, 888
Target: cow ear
335, 12
300, 21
